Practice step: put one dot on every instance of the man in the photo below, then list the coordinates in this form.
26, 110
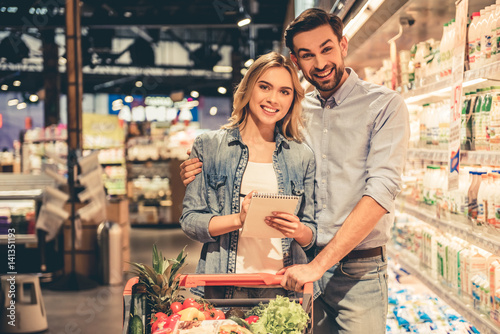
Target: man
359, 134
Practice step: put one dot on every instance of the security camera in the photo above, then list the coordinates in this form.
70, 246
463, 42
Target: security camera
407, 20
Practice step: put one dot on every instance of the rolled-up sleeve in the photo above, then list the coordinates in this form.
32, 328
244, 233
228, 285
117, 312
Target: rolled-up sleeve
387, 153
196, 214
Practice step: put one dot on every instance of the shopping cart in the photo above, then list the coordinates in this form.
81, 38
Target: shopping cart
237, 280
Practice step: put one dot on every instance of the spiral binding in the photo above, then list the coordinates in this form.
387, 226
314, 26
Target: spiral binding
270, 195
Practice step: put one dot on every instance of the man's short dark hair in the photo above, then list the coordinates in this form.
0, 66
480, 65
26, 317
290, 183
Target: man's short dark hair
310, 19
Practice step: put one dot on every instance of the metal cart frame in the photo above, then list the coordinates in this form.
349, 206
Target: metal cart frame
241, 280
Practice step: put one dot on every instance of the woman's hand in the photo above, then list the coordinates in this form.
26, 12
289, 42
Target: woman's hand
287, 224
245, 205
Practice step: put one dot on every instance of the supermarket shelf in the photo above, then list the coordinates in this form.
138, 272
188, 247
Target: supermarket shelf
427, 154
435, 86
484, 158
454, 224
489, 71
430, 88
20, 239
409, 262
466, 157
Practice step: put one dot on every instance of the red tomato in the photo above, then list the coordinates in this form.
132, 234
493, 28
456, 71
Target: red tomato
209, 314
160, 315
251, 319
190, 302
218, 315
176, 307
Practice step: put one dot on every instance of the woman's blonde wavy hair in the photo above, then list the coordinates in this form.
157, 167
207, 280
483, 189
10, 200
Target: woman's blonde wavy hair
290, 126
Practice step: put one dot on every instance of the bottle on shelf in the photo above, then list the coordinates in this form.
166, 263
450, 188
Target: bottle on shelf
444, 50
473, 38
465, 131
479, 49
494, 124
490, 200
486, 36
482, 203
485, 119
476, 120
496, 200
495, 47
444, 124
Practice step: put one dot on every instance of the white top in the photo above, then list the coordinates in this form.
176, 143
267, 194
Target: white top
259, 255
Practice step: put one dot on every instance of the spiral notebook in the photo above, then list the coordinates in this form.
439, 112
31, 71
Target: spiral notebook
261, 206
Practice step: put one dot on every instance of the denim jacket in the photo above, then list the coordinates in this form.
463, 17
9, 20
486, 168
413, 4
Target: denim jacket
215, 192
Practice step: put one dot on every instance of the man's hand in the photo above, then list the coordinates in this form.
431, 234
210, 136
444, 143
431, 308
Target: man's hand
189, 169
294, 277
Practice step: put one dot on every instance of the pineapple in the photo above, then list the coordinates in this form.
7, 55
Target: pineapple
161, 280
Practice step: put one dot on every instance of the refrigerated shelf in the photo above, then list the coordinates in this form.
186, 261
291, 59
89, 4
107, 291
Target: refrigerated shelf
481, 236
410, 263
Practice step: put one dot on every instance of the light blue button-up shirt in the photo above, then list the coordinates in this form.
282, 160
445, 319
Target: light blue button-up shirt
359, 137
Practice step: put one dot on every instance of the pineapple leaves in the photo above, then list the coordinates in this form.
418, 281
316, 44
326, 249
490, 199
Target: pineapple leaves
162, 279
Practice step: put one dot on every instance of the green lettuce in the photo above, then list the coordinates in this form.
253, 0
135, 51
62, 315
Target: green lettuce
280, 316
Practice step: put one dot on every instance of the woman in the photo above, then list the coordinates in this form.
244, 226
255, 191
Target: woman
259, 149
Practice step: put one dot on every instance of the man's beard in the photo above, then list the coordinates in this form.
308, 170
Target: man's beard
333, 83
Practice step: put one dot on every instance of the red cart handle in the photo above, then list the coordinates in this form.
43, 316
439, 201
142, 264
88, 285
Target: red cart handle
195, 280
190, 281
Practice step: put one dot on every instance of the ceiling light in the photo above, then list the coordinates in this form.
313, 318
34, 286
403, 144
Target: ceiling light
222, 90
33, 98
4, 87
127, 14
213, 111
129, 98
222, 69
16, 83
363, 15
21, 105
194, 94
62, 61
12, 102
244, 71
243, 19
249, 62
138, 84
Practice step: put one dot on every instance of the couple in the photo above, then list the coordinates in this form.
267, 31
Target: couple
358, 133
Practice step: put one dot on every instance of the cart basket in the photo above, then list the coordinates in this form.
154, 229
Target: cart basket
240, 280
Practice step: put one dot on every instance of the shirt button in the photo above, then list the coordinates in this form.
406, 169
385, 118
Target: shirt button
325, 130
324, 156
328, 107
323, 181
324, 206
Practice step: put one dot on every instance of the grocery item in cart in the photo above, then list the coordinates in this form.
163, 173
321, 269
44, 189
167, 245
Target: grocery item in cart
209, 327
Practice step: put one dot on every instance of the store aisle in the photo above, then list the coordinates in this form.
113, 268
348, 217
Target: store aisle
99, 310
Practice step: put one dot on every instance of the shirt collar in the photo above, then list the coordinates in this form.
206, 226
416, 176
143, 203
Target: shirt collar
341, 94
235, 135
